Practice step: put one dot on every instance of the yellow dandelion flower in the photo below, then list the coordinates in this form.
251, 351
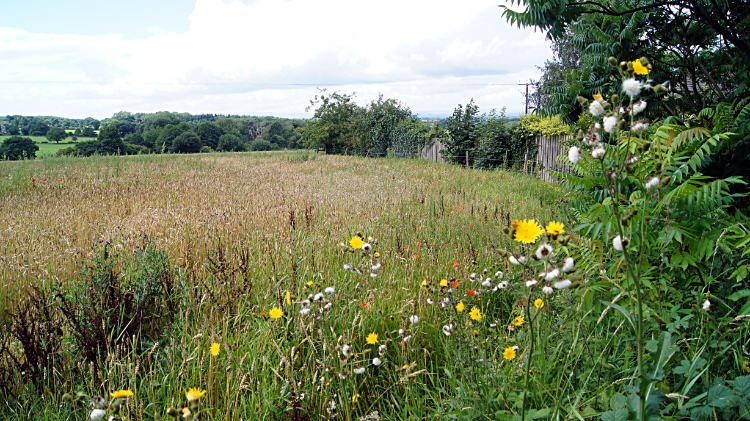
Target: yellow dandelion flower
539, 303
443, 282
356, 242
377, 255
193, 394
460, 307
518, 321
555, 228
528, 231
598, 97
186, 412
355, 398
275, 313
514, 223
215, 348
424, 282
509, 354
341, 244
475, 314
476, 332
117, 394
310, 283
288, 298
406, 367
639, 68
372, 338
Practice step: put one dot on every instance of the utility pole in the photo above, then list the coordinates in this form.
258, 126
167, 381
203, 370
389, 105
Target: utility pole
527, 95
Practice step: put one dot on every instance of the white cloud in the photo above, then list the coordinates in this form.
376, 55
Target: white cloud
267, 58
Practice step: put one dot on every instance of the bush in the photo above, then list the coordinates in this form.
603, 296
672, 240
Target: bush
17, 147
261, 145
231, 143
187, 142
207, 149
69, 151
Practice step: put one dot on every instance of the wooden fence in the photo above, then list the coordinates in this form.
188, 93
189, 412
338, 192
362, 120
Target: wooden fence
550, 147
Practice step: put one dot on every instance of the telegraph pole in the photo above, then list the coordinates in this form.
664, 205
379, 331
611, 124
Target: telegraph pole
527, 95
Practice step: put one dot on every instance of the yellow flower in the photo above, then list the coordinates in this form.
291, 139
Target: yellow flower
639, 68
443, 282
117, 394
356, 242
598, 97
539, 303
372, 338
406, 367
509, 354
555, 228
288, 298
186, 412
341, 244
215, 348
475, 314
518, 321
275, 313
460, 307
310, 283
377, 255
424, 282
355, 398
528, 231
193, 394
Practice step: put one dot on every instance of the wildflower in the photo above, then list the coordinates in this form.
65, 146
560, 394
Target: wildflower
503, 285
598, 152
310, 283
511, 328
631, 87
443, 282
356, 242
347, 266
319, 297
706, 305
376, 266
355, 398
565, 283
186, 412
574, 154
327, 306
366, 247
539, 303
518, 321
473, 275
343, 374
547, 289
288, 298
275, 313
406, 367
454, 284
455, 264
509, 354
215, 348
475, 314
487, 283
555, 228
381, 350
460, 307
610, 124
618, 242
376, 255
499, 275
638, 107
652, 183
544, 251
372, 338
193, 394
471, 292
551, 275
329, 290
639, 126
345, 350
118, 394
447, 329
359, 370
429, 301
596, 108
376, 362
531, 283
598, 97
414, 319
97, 414
373, 275
639, 68
406, 339
341, 244
304, 311
528, 231
568, 266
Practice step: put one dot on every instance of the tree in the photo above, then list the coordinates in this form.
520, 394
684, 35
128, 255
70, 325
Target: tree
230, 143
56, 134
261, 145
463, 127
110, 142
378, 123
77, 132
88, 132
91, 122
37, 128
333, 126
275, 134
17, 147
209, 134
186, 142
170, 132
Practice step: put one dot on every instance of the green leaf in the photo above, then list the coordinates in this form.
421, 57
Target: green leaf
740, 294
618, 400
618, 415
621, 309
719, 396
742, 386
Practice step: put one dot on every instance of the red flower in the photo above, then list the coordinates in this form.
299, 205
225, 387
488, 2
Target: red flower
522, 303
510, 327
44, 180
33, 180
455, 264
471, 292
364, 305
455, 284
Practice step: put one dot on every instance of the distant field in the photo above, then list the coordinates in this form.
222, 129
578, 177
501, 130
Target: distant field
51, 148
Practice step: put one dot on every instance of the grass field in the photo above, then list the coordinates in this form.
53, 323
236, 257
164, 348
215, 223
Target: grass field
241, 231
51, 148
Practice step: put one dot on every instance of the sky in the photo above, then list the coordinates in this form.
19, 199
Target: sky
84, 58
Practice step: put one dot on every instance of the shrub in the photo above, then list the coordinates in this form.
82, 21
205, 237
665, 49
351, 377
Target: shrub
231, 143
206, 149
69, 151
18, 147
187, 142
261, 145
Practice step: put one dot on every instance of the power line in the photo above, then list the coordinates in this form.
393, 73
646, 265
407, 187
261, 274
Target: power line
80, 82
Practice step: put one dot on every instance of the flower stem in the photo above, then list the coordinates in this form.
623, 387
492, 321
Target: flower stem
528, 358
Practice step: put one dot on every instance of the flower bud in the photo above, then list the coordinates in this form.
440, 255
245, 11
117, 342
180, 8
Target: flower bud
67, 398
612, 61
580, 135
660, 89
622, 124
615, 98
607, 106
624, 66
657, 166
506, 230
583, 101
630, 70
644, 61
173, 412
646, 146
665, 181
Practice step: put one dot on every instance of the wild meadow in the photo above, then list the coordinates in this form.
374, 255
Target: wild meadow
125, 273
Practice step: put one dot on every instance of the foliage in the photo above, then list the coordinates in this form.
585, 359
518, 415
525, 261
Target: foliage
537, 125
209, 133
18, 147
377, 125
408, 137
69, 151
110, 142
463, 128
230, 143
333, 125
186, 142
260, 145
56, 134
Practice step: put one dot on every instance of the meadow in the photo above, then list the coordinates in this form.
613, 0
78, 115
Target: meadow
228, 238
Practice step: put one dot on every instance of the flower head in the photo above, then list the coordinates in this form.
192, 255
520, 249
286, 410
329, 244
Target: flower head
414, 319
460, 307
447, 329
555, 228
706, 305
359, 370
215, 348
193, 394
569, 263
652, 183
639, 68
443, 282
118, 394
356, 242
366, 247
275, 313
547, 289
528, 231
565, 283
97, 414
539, 303
518, 321
372, 338
610, 124
376, 361
598, 97
596, 109
475, 314
618, 242
509, 354
544, 251
631, 87
355, 398
574, 154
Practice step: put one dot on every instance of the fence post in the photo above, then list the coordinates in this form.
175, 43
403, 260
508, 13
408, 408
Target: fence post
467, 159
525, 161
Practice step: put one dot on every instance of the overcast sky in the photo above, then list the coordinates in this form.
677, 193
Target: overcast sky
83, 58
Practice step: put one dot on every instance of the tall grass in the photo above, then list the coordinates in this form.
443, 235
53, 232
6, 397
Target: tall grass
241, 230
